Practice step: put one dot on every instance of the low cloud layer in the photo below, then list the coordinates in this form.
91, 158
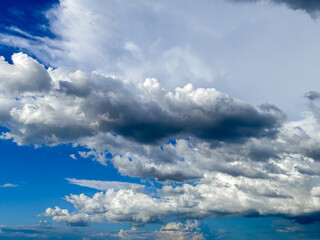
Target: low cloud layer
191, 230
260, 177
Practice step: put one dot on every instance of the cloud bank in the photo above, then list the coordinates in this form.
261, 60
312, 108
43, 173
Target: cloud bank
213, 155
191, 230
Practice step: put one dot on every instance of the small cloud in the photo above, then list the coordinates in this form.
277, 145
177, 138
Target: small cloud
289, 229
312, 95
44, 223
105, 185
73, 156
7, 185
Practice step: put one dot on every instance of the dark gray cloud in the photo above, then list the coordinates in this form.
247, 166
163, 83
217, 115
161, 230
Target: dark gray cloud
307, 218
222, 142
68, 106
311, 7
308, 171
150, 124
312, 95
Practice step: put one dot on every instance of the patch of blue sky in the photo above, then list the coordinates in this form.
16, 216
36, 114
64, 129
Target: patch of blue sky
26, 20
40, 174
27, 16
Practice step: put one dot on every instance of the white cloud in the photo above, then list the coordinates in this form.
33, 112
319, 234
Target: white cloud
170, 231
76, 105
239, 159
105, 185
284, 192
74, 219
150, 39
236, 179
9, 185
23, 76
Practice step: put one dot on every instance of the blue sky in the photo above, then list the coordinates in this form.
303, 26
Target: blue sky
159, 120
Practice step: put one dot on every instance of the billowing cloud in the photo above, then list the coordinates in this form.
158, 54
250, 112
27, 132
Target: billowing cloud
81, 105
23, 76
136, 41
237, 160
216, 195
73, 219
259, 177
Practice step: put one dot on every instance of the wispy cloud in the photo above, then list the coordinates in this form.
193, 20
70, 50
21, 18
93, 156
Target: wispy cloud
9, 185
104, 185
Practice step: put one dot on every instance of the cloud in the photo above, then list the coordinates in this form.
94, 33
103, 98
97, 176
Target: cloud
284, 191
73, 219
124, 41
230, 158
312, 95
81, 105
190, 230
23, 76
232, 181
172, 230
45, 230
9, 185
311, 7
105, 185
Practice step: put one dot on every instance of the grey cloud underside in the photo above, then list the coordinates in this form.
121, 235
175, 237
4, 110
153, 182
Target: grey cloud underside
61, 107
312, 95
312, 7
261, 177
231, 182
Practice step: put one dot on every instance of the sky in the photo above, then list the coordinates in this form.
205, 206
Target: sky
183, 120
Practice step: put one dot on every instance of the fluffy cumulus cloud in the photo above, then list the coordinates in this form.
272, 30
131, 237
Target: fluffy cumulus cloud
75, 105
280, 189
212, 154
149, 39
